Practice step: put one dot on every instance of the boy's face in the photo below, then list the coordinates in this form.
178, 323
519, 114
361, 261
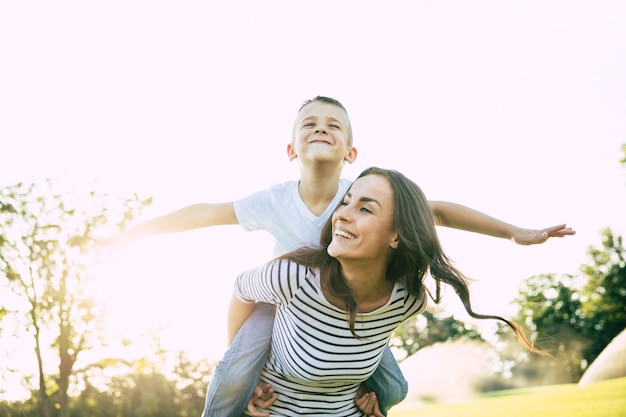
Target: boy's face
321, 134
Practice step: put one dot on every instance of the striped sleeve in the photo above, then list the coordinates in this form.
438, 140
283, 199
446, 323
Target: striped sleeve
415, 306
273, 283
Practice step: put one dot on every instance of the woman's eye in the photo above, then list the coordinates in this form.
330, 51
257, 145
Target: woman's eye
365, 209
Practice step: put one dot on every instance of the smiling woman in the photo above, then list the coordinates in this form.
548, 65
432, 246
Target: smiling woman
338, 303
363, 225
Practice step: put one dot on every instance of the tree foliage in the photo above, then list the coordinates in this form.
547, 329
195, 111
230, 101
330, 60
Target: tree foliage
574, 318
427, 329
550, 307
136, 388
48, 235
604, 294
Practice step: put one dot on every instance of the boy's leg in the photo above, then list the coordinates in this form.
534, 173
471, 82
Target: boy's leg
237, 374
388, 382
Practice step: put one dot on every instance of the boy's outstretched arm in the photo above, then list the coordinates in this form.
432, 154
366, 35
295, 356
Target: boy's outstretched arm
464, 218
191, 217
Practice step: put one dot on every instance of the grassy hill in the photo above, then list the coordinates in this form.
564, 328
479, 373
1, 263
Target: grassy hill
602, 399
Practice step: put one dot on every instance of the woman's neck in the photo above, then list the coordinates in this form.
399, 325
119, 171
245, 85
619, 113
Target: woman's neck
368, 285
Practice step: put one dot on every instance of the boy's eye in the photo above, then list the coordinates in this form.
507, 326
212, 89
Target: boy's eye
334, 126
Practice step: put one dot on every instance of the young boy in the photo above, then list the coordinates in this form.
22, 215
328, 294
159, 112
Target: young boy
294, 213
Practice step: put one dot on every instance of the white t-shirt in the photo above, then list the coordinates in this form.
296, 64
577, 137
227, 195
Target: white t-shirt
316, 364
281, 212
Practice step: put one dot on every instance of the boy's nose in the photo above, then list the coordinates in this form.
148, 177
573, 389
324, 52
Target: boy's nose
320, 129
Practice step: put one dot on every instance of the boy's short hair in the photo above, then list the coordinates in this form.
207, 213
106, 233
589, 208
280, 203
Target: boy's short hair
334, 102
323, 99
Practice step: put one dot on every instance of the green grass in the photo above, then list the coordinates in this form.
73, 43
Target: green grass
602, 399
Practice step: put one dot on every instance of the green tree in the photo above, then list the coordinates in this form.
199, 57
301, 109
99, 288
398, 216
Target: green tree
192, 380
47, 249
551, 309
604, 294
28, 408
574, 318
427, 329
145, 386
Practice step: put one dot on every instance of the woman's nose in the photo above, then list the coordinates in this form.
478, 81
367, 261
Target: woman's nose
342, 213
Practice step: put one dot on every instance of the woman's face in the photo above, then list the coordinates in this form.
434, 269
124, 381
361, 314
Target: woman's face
363, 225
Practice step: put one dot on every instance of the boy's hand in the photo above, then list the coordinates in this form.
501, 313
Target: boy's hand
367, 402
263, 396
533, 237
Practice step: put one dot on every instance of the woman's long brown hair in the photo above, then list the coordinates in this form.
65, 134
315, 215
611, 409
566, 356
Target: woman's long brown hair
418, 253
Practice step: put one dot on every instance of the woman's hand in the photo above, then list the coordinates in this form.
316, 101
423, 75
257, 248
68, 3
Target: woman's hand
263, 396
367, 402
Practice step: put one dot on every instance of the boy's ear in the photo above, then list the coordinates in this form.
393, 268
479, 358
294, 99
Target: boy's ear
291, 152
351, 156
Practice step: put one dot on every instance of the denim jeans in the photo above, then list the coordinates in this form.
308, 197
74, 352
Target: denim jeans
237, 374
388, 382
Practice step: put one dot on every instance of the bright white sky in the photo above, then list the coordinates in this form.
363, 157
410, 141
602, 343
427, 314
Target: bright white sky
517, 109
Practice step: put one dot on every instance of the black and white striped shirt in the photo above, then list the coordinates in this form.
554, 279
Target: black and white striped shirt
316, 364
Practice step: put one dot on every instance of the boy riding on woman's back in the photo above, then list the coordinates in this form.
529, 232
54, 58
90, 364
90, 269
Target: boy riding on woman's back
294, 213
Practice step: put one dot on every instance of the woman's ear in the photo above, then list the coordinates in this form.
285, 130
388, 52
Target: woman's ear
394, 242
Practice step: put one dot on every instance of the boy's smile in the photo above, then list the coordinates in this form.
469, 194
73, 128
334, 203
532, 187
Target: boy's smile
322, 141
321, 134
